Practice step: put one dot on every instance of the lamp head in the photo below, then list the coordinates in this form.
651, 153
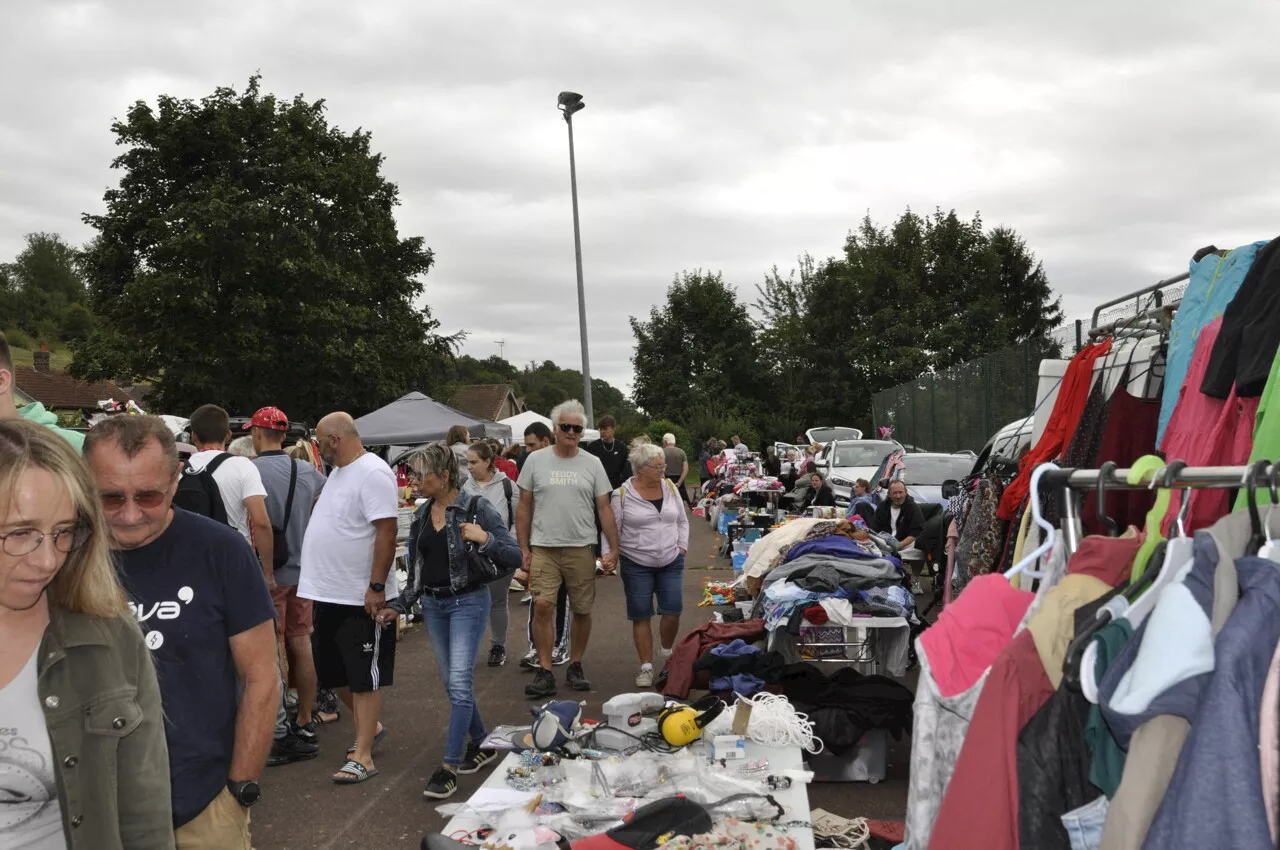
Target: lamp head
570, 102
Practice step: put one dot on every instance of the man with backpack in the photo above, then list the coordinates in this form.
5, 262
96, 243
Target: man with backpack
224, 487
292, 489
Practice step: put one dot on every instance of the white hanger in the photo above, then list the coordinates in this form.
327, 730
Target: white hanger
1050, 532
1271, 549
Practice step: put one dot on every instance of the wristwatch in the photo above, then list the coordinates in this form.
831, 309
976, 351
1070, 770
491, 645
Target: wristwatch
246, 793
377, 587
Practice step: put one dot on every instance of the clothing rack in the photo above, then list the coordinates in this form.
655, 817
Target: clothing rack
1073, 481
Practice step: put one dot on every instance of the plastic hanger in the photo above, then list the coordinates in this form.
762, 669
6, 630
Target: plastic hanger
1178, 556
1145, 466
1271, 549
1051, 532
1104, 475
1250, 480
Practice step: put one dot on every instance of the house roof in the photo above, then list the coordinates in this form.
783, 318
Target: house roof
484, 401
56, 389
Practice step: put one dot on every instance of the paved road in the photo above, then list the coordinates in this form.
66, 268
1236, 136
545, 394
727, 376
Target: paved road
302, 810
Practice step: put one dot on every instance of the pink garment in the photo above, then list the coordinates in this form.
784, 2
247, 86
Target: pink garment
973, 631
1269, 743
1207, 431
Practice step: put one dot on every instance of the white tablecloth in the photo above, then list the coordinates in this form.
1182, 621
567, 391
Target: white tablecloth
795, 798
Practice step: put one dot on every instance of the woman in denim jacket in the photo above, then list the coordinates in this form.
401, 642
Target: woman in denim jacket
82, 749
454, 608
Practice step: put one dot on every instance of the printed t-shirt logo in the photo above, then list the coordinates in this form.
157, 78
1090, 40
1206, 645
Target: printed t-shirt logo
564, 477
165, 610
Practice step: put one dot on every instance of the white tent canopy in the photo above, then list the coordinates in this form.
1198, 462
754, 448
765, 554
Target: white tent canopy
523, 420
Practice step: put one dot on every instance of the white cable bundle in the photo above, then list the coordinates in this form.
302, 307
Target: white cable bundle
776, 723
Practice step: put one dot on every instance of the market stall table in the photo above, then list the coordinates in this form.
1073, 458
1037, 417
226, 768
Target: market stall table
795, 798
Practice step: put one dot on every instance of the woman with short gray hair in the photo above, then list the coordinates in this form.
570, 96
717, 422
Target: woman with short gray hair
455, 606
653, 537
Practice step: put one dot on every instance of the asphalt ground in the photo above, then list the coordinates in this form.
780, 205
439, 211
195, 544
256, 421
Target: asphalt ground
301, 809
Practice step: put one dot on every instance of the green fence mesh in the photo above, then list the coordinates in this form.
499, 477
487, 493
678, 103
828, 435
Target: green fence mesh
965, 405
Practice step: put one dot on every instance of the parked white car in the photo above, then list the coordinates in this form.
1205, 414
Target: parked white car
845, 461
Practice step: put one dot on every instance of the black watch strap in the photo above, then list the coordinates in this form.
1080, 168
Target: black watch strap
245, 793
377, 587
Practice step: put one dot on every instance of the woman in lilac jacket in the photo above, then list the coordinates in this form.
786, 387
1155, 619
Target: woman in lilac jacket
653, 536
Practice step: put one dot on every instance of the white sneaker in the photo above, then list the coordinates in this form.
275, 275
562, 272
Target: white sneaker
560, 657
515, 587
644, 679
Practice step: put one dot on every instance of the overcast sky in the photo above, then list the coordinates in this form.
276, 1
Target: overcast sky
1116, 136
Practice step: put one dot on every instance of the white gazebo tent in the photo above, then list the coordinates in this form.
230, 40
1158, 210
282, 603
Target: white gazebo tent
523, 420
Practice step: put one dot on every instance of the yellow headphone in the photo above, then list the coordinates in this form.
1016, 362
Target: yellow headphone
681, 725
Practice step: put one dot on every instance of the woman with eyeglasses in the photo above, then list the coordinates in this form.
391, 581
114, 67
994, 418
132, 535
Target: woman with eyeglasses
454, 608
499, 491
653, 537
83, 760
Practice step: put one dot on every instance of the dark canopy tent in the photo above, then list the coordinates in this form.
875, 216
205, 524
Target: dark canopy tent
415, 419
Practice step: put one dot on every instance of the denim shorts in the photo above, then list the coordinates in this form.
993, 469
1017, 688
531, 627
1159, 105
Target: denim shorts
641, 584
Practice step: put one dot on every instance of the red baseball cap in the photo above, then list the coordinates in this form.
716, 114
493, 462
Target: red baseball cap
268, 417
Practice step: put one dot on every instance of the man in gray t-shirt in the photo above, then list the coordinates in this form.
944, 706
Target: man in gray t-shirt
561, 490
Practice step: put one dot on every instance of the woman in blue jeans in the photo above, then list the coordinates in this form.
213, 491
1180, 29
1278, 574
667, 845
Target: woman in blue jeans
454, 608
653, 536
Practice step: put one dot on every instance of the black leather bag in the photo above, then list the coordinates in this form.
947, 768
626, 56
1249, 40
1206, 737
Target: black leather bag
480, 567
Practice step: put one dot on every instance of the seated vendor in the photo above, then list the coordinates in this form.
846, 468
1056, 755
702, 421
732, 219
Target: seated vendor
819, 494
899, 516
863, 504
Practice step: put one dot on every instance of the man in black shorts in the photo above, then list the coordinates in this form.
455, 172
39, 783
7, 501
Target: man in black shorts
346, 569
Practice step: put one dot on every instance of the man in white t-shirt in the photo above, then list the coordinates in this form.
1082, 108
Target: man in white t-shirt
239, 484
347, 556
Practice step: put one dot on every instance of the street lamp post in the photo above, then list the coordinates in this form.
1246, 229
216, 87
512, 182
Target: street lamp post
570, 102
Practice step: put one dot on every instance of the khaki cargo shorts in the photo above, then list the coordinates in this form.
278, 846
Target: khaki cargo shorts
572, 566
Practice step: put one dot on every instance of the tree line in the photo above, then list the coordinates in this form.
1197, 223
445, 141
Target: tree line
812, 349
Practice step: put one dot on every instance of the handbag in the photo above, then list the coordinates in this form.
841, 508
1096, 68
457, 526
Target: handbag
280, 546
480, 567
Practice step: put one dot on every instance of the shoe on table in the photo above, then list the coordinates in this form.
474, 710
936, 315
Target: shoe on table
543, 685
475, 759
497, 656
644, 679
530, 660
560, 657
575, 679
290, 749
442, 784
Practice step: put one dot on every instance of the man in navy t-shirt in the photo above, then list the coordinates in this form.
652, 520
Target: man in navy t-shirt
201, 597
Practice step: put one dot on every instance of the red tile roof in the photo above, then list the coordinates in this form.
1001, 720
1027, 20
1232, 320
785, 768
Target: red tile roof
483, 401
57, 390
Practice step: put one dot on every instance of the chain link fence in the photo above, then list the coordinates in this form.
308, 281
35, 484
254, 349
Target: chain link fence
965, 405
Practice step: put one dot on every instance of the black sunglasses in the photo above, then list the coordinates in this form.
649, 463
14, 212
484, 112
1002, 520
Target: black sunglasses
570, 429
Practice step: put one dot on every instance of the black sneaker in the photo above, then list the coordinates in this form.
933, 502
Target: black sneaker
497, 656
305, 732
290, 749
543, 685
475, 759
574, 678
442, 784
530, 661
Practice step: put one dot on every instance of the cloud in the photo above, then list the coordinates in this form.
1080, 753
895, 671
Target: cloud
1116, 137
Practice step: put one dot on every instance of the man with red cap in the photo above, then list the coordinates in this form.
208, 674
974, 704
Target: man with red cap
292, 489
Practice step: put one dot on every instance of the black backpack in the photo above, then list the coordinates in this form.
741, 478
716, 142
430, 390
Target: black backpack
508, 490
198, 492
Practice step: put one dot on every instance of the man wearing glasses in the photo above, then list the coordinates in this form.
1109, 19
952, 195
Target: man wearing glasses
201, 597
560, 492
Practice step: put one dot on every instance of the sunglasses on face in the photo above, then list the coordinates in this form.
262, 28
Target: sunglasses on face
570, 429
146, 499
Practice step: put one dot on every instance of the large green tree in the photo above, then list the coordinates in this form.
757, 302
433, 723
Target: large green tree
919, 296
697, 349
42, 291
250, 256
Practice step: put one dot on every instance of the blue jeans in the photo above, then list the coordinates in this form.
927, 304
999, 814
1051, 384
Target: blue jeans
456, 625
641, 584
1084, 825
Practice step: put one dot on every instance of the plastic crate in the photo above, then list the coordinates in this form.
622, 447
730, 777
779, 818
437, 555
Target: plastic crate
741, 546
726, 515
752, 535
866, 762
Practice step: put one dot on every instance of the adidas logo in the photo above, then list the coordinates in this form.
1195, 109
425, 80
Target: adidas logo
368, 647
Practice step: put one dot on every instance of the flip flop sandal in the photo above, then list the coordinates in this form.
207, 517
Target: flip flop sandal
355, 773
377, 739
320, 721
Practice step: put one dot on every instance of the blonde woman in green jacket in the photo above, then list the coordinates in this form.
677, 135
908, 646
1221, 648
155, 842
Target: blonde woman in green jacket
83, 761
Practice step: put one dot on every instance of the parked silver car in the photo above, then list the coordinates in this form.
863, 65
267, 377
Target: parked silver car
845, 461
925, 473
